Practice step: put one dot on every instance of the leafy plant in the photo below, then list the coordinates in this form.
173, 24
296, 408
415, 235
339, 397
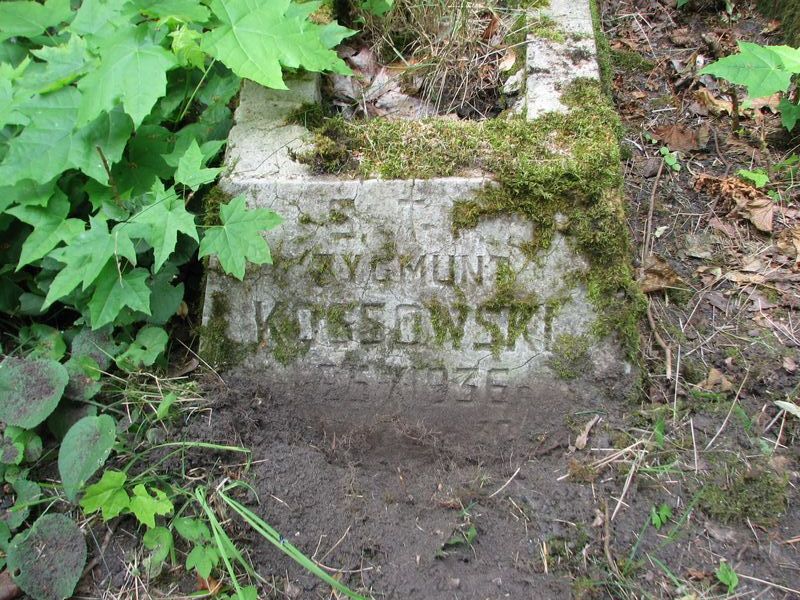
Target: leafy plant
660, 515
727, 576
763, 70
670, 158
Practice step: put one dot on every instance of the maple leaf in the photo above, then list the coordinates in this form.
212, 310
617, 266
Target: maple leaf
190, 170
113, 292
159, 222
763, 70
146, 507
52, 138
239, 238
28, 19
257, 38
108, 495
133, 69
50, 227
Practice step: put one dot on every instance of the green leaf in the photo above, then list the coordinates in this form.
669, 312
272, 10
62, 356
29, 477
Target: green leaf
761, 69
727, 576
159, 540
29, 19
256, 38
192, 530
84, 378
159, 223
50, 227
99, 19
145, 507
84, 450
186, 47
659, 516
107, 495
149, 344
188, 11
190, 168
27, 440
165, 299
113, 292
239, 238
97, 345
380, 7
203, 559
32, 390
48, 559
52, 138
162, 412
62, 65
790, 113
132, 70
86, 257
758, 178
47, 342
26, 493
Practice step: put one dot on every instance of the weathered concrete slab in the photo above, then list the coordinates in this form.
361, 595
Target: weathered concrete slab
376, 308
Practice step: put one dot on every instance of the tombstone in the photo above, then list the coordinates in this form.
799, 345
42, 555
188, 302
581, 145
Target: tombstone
379, 308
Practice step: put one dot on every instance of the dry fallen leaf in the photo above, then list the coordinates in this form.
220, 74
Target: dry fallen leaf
789, 364
749, 202
508, 61
788, 242
658, 275
716, 106
716, 382
583, 437
683, 139
745, 278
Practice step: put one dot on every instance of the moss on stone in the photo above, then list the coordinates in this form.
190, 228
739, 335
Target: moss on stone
443, 323
738, 494
217, 349
570, 356
545, 28
284, 329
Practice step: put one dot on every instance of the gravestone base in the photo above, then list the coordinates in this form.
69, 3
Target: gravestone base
379, 310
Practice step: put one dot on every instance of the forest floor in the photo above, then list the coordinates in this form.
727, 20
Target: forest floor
667, 498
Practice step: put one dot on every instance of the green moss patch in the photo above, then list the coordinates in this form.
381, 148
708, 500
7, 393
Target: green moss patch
737, 494
217, 349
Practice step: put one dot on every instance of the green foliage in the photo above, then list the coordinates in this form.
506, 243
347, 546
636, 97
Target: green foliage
47, 560
32, 390
763, 70
149, 344
758, 178
84, 450
670, 158
727, 576
660, 515
377, 8
145, 506
107, 495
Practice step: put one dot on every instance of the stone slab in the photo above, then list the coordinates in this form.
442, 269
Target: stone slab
376, 309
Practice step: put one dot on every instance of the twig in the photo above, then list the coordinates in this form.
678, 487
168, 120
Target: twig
730, 411
612, 564
660, 341
101, 550
649, 225
777, 586
505, 485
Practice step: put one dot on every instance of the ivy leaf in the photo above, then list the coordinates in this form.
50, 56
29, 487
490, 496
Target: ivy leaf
759, 68
159, 223
192, 530
203, 559
149, 344
132, 69
145, 507
50, 227
86, 257
239, 238
190, 168
107, 495
29, 19
257, 38
84, 450
113, 292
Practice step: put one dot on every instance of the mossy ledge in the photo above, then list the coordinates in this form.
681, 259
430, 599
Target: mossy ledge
560, 172
217, 349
